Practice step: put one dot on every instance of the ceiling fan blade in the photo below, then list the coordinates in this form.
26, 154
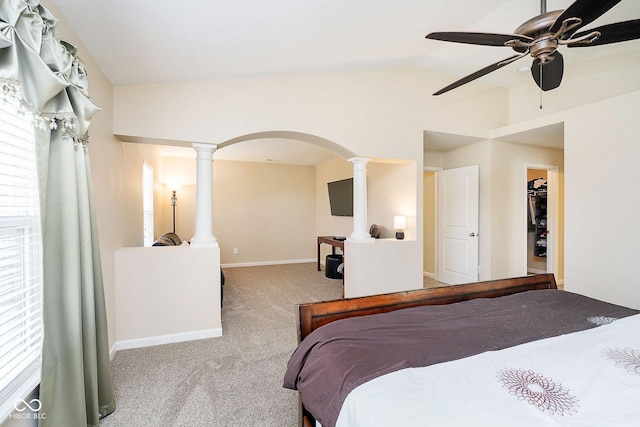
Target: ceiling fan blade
549, 75
587, 10
479, 73
612, 33
484, 39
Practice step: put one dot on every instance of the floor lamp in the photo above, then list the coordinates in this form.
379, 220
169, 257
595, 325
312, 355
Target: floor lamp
174, 201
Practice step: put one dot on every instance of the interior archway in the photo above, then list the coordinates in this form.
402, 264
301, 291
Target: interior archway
271, 138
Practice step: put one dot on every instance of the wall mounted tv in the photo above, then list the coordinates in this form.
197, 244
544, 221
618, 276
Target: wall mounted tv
341, 197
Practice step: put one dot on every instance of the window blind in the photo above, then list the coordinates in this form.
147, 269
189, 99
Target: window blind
20, 257
147, 203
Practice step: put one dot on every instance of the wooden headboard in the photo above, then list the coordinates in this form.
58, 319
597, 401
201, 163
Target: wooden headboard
313, 315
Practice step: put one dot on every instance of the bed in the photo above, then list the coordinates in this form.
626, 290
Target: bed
490, 353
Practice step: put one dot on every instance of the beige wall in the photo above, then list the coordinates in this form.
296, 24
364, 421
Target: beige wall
602, 205
430, 223
509, 204
382, 266
333, 169
167, 294
273, 212
392, 190
598, 80
379, 113
178, 173
267, 211
433, 159
134, 155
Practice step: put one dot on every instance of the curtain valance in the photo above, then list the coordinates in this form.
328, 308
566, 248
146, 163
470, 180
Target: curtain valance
41, 71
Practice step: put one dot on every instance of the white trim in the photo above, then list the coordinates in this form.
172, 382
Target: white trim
167, 339
263, 263
429, 275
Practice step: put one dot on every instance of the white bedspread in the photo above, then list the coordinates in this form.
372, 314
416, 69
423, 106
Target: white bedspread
589, 378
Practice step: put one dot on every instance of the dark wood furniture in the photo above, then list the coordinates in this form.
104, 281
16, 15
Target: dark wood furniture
314, 315
330, 240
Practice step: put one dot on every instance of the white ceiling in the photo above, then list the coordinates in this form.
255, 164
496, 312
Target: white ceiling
151, 41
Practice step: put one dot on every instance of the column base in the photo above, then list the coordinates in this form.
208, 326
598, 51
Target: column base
204, 243
361, 239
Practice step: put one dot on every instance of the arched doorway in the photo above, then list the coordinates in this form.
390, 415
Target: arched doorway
264, 193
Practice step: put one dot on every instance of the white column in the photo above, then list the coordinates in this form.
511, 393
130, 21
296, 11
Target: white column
360, 230
204, 237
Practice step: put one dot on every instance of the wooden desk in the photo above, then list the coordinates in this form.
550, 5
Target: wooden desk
330, 241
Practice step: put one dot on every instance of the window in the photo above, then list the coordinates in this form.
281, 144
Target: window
20, 258
147, 203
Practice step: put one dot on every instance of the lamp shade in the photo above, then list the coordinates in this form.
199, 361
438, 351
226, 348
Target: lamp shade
399, 222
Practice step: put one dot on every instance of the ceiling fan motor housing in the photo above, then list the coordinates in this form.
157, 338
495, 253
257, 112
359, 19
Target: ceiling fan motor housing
538, 28
538, 25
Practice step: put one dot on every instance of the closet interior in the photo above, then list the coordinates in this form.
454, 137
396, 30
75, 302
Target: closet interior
537, 224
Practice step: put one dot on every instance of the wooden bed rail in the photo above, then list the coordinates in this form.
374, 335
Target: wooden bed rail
313, 315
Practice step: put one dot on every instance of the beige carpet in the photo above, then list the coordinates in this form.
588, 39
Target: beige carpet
234, 380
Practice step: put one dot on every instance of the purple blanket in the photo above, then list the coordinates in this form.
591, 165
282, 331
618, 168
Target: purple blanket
336, 358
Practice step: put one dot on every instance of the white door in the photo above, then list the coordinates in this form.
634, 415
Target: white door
458, 225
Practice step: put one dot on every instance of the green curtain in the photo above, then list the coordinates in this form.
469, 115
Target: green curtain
49, 80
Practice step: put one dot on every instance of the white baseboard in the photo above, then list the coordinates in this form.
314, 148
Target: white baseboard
429, 275
263, 263
165, 339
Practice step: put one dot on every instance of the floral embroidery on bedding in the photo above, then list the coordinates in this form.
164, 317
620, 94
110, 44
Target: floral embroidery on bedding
601, 320
539, 391
627, 358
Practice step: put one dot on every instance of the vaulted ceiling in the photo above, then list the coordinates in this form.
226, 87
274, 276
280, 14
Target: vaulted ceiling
151, 41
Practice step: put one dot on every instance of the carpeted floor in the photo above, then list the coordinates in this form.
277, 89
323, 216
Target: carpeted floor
234, 380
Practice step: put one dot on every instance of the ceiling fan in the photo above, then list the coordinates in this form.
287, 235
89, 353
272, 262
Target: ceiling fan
540, 37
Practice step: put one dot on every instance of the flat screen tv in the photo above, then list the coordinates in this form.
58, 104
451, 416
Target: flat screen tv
341, 197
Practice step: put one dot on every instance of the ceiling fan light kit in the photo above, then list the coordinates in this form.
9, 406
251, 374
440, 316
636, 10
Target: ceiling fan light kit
540, 37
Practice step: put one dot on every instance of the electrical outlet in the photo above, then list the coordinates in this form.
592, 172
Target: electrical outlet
235, 251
